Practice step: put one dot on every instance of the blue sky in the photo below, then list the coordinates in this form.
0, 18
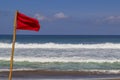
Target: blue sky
64, 17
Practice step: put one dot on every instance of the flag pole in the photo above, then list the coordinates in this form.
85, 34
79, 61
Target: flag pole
13, 46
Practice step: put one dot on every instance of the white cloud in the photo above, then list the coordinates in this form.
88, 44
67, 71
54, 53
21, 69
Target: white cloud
108, 20
112, 19
40, 17
60, 15
53, 17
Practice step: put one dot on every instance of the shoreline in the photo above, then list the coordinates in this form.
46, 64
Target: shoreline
43, 74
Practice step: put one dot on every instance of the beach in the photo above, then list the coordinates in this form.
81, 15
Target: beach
61, 57
60, 40
61, 75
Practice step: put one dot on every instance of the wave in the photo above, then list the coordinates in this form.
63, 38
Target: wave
56, 59
70, 66
63, 46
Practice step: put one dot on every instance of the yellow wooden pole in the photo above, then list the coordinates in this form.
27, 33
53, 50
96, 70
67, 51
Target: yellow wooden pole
13, 46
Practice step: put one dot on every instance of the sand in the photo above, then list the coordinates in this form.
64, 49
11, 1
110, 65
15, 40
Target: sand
61, 75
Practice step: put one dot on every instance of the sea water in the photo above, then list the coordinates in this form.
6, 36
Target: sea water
61, 52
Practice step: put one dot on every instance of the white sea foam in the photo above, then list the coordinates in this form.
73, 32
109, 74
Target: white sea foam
56, 59
63, 46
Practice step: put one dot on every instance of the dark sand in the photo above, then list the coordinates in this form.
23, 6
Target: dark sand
53, 75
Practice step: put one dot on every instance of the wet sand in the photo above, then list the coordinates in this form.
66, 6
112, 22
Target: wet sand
61, 75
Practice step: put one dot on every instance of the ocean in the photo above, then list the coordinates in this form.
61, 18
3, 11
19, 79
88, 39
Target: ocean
62, 52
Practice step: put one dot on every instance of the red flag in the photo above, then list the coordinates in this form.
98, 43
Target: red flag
27, 23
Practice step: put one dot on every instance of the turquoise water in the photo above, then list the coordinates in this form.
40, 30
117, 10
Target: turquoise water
63, 66
61, 52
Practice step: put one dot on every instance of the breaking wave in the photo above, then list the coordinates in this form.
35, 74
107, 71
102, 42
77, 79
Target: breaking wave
63, 46
56, 59
74, 66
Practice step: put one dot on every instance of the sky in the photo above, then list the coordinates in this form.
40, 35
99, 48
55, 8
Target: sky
64, 17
